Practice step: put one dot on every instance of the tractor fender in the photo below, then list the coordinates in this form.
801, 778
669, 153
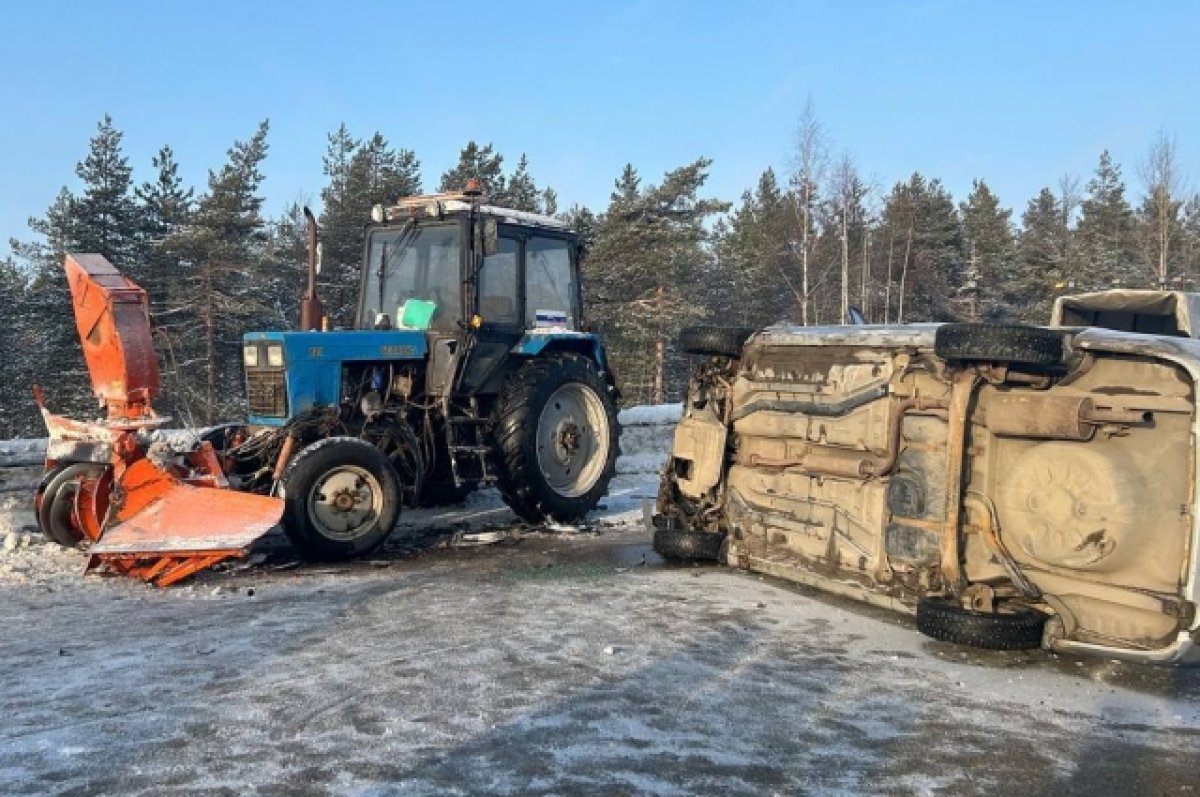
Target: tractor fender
540, 344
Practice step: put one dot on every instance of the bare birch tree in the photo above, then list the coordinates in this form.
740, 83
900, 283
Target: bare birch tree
1163, 182
846, 193
809, 162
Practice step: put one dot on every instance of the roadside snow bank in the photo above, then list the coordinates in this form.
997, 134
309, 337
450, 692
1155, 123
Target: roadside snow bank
16, 453
646, 436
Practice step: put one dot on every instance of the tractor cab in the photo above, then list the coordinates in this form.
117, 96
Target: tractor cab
476, 279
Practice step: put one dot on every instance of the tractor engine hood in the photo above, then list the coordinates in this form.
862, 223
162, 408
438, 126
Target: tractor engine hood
288, 373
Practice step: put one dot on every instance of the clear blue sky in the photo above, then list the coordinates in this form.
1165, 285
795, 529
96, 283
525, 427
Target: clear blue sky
1015, 92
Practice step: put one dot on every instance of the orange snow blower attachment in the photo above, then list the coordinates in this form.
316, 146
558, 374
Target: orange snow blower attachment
113, 317
146, 510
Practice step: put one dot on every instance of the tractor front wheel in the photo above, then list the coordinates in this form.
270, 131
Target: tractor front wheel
556, 437
342, 499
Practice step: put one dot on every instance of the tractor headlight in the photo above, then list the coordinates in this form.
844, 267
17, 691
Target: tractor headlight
250, 356
275, 355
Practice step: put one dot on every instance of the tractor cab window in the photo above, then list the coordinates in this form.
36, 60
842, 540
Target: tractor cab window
498, 285
412, 278
549, 283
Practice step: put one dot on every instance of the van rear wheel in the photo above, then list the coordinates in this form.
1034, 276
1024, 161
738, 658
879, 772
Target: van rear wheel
1016, 628
1009, 343
681, 545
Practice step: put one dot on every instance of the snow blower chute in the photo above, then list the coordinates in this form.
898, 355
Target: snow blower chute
139, 506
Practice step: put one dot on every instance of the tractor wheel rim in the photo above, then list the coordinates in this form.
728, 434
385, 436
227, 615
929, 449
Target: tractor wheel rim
572, 440
345, 503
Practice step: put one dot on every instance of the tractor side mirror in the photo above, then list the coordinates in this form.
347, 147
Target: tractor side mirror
487, 237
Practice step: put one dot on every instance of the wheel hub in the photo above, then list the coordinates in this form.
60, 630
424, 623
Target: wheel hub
572, 440
345, 502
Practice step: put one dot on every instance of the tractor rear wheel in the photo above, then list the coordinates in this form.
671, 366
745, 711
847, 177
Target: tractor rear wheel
342, 499
556, 438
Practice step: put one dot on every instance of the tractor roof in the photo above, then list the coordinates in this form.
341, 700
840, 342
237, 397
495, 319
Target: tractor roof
454, 203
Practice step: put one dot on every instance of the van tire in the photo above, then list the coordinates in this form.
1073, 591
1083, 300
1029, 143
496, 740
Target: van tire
1020, 628
715, 341
1006, 343
688, 546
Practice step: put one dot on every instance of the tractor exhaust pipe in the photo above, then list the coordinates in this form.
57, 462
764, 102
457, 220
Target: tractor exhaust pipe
311, 312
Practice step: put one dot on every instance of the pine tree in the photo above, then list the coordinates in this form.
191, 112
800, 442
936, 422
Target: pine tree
583, 222
758, 251
1189, 241
286, 258
651, 245
483, 163
989, 248
1106, 251
522, 192
15, 398
361, 175
105, 214
924, 245
165, 207
223, 249
103, 219
1039, 271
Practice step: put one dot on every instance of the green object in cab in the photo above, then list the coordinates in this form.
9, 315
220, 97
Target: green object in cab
417, 313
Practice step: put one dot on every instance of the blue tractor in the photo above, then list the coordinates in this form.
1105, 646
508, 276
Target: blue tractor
468, 364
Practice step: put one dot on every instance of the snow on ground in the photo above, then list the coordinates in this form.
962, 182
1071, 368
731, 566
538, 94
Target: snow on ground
475, 654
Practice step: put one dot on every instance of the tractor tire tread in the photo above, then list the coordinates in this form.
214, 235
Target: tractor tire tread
518, 480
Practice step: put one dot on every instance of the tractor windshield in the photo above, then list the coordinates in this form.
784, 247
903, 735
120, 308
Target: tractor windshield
412, 278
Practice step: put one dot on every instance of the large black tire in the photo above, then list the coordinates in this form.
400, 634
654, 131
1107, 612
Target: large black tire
56, 502
548, 466
688, 546
336, 481
1020, 628
1010, 343
714, 341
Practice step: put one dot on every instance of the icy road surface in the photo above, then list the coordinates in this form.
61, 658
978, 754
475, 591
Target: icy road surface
565, 663
476, 656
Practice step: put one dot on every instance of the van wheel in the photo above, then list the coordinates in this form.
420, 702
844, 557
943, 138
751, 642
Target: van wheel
1017, 628
342, 499
715, 341
1010, 343
688, 546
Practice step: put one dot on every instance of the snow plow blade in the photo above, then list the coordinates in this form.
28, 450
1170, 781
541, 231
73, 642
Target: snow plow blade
140, 507
183, 530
